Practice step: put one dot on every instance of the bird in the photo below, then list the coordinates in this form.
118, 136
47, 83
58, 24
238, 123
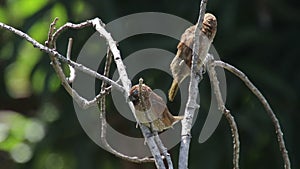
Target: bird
151, 108
181, 64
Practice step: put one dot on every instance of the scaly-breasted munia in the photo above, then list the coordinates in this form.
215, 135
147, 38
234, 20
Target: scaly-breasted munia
181, 64
153, 111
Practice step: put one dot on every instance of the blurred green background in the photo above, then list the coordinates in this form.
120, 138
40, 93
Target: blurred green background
38, 124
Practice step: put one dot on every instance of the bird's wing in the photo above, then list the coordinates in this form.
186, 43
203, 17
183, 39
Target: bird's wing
158, 105
179, 68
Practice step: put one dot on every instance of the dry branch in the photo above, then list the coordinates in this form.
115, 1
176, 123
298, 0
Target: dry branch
155, 134
80, 100
102, 108
191, 105
126, 83
55, 56
153, 141
72, 75
262, 99
221, 106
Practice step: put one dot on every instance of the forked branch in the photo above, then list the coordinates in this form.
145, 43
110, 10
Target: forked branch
56, 57
102, 108
153, 141
221, 106
191, 105
262, 99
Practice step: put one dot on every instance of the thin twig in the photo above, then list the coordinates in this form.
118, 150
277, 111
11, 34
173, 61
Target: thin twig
68, 26
97, 23
102, 108
262, 99
74, 64
61, 57
191, 105
164, 150
235, 137
49, 41
72, 75
143, 105
56, 66
80, 100
141, 99
221, 106
159, 143
113, 151
99, 26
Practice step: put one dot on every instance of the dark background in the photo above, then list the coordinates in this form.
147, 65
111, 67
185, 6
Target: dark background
259, 37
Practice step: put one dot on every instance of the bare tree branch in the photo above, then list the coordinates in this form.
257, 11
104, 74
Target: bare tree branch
155, 134
235, 137
50, 43
164, 150
56, 66
72, 75
266, 105
99, 26
191, 105
221, 106
54, 55
68, 26
53, 52
152, 139
102, 108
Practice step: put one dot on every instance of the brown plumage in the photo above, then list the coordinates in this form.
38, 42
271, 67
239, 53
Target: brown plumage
181, 64
155, 109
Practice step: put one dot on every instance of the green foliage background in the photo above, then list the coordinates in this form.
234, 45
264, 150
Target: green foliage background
38, 125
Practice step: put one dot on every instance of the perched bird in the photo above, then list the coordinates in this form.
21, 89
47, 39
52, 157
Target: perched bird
150, 108
181, 64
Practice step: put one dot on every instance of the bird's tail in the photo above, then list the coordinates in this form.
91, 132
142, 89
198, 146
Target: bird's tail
173, 90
